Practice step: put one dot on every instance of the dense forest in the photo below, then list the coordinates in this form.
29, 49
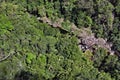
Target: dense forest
59, 40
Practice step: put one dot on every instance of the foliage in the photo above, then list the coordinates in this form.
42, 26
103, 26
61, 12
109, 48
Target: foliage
5, 24
41, 52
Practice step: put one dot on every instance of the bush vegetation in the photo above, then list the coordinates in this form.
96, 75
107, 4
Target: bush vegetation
40, 52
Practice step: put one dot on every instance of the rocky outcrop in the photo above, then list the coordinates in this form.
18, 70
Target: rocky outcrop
91, 43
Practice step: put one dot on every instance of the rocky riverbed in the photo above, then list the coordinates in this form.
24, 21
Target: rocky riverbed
86, 39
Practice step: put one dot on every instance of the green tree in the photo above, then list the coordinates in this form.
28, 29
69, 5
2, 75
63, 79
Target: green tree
5, 24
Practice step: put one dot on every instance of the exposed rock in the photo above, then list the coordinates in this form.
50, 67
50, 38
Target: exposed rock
91, 41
